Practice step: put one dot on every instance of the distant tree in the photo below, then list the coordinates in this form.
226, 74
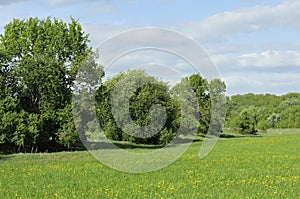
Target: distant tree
89, 78
289, 118
290, 102
269, 111
246, 122
273, 119
262, 125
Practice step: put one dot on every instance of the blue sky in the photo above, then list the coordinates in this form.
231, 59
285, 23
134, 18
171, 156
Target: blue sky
255, 44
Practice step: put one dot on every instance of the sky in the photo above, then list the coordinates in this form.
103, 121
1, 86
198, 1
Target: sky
255, 45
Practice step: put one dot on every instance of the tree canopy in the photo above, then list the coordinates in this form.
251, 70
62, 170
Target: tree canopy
187, 106
39, 63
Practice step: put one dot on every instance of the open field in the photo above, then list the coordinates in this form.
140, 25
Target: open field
265, 166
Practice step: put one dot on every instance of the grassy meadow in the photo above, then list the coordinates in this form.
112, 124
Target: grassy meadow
263, 166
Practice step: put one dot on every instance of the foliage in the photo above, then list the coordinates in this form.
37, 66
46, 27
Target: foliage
217, 90
266, 110
145, 92
273, 119
39, 62
125, 107
246, 122
193, 93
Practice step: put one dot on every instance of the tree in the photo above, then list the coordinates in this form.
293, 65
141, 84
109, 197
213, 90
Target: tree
246, 122
129, 104
39, 63
267, 110
193, 94
88, 80
293, 101
273, 119
217, 90
188, 101
289, 118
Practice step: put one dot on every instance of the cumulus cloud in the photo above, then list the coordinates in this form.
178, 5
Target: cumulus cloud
245, 68
269, 71
222, 25
263, 83
271, 60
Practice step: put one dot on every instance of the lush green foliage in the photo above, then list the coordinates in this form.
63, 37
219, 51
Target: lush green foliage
39, 62
251, 112
147, 91
187, 104
192, 93
246, 167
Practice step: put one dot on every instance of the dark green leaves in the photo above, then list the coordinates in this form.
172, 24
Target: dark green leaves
39, 62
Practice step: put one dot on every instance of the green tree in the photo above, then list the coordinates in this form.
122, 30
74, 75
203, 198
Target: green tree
267, 110
293, 101
217, 90
289, 118
39, 63
194, 94
88, 80
246, 122
186, 98
273, 119
140, 92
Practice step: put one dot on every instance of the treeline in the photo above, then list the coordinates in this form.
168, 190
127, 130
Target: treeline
252, 112
40, 61
138, 108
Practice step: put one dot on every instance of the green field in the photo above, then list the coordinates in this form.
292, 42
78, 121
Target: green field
266, 166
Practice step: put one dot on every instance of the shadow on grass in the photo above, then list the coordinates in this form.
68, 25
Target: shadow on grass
178, 141
129, 145
240, 136
123, 145
227, 136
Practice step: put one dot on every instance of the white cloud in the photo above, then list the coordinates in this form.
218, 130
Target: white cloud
271, 60
267, 71
263, 83
220, 26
